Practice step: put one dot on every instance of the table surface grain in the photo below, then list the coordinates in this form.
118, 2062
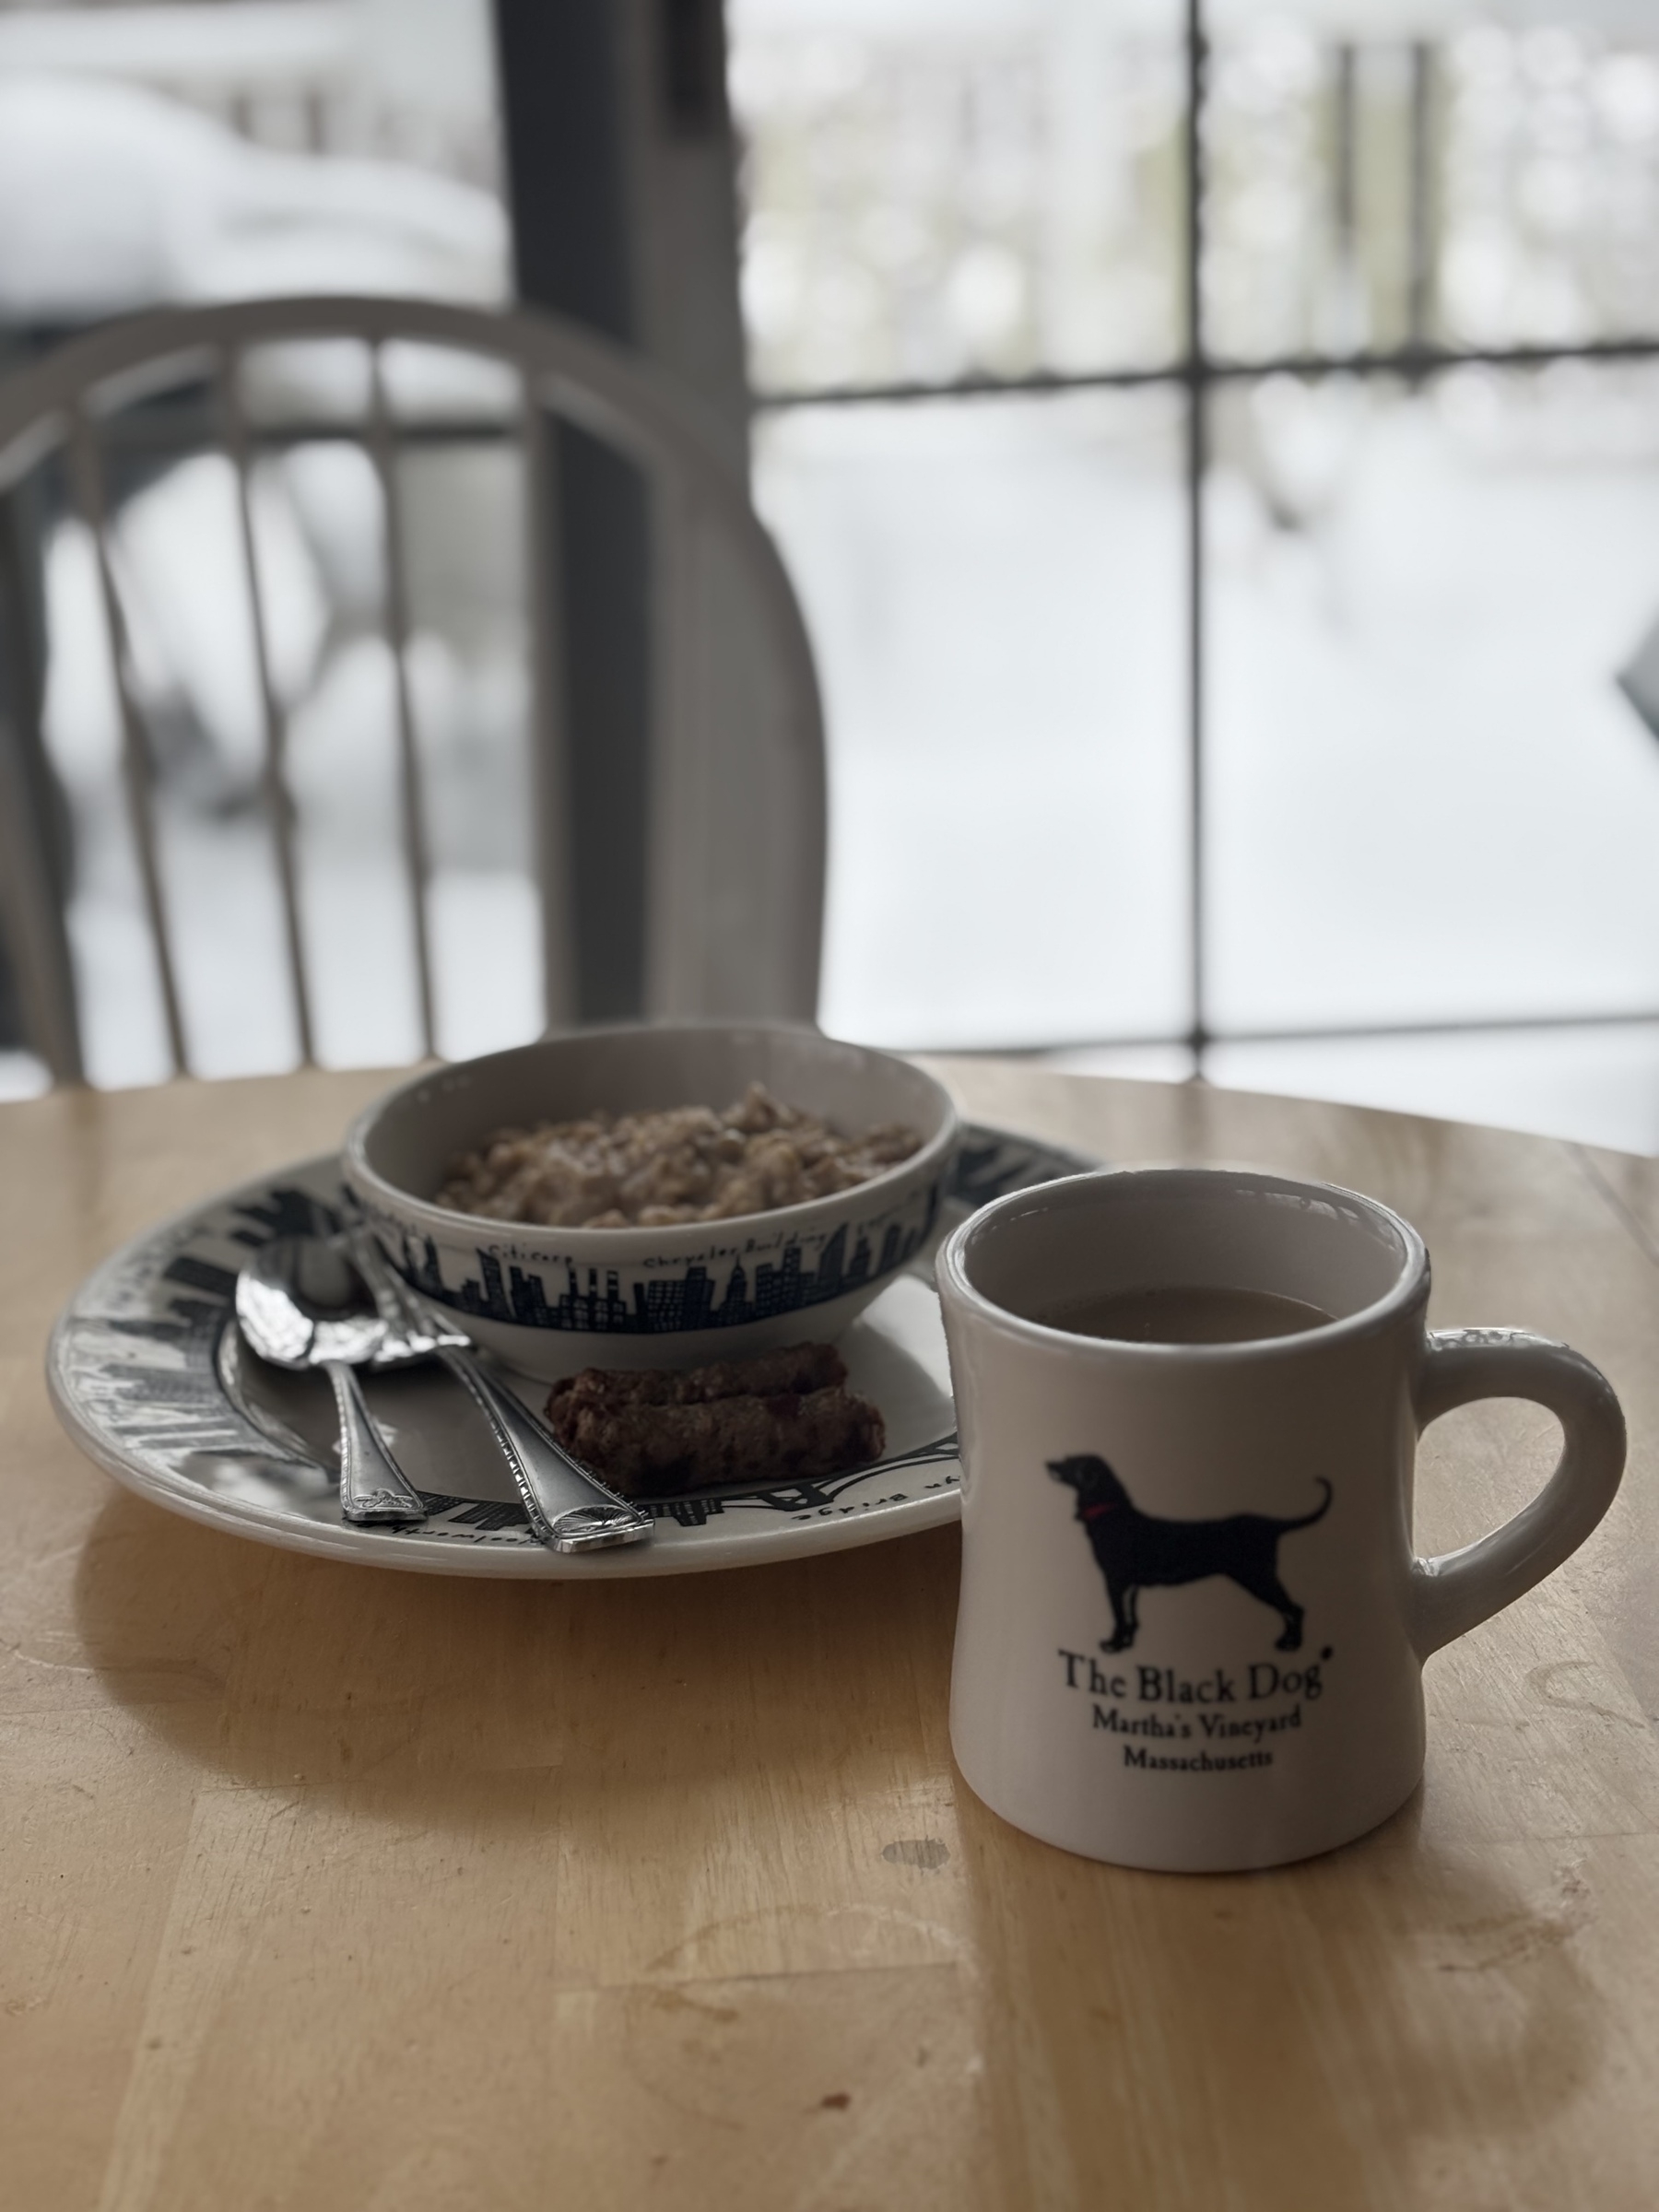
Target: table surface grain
323, 1888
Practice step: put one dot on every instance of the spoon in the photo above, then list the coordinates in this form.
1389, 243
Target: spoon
569, 1509
302, 1304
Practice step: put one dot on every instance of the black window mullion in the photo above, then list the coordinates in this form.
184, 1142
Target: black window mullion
1197, 368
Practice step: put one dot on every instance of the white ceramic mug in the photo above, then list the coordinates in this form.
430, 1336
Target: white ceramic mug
1192, 1627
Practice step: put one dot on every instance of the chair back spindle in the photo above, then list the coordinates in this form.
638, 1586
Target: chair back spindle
735, 803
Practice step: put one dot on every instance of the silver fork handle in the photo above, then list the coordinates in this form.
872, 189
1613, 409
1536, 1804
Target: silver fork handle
372, 1485
568, 1510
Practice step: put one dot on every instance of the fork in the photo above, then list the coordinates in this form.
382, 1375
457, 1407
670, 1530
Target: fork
569, 1509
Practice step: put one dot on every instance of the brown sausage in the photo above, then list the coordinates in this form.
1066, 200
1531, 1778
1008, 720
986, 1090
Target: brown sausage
802, 1367
658, 1450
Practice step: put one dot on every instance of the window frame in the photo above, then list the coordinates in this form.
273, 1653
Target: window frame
1198, 370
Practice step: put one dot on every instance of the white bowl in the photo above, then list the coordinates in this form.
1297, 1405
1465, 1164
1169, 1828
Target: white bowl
550, 1301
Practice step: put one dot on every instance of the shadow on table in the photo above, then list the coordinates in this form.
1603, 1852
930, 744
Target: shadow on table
1392, 2023
458, 1700
1409, 2018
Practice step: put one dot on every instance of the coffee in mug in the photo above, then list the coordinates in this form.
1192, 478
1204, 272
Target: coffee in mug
1186, 1313
1192, 1627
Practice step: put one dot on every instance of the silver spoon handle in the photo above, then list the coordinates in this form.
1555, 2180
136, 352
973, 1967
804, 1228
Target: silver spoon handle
372, 1485
568, 1507
568, 1510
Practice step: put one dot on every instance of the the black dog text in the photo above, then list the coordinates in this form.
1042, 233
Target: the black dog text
1162, 1686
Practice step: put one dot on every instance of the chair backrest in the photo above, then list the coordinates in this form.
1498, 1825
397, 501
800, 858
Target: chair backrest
736, 841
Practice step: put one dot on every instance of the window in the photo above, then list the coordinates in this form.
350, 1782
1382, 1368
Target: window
183, 153
1218, 455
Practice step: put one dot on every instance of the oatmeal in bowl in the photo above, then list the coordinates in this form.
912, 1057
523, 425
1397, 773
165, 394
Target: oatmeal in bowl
668, 1165
655, 1196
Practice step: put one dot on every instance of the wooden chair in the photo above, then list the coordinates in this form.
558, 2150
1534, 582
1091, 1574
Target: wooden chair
736, 806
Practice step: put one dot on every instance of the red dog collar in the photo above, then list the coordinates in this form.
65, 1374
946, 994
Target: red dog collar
1093, 1512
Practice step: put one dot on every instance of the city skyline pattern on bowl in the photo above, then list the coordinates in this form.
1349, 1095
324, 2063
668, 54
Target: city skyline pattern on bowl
552, 1299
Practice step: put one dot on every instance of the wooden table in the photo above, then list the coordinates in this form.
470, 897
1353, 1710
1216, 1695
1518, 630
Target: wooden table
325, 1887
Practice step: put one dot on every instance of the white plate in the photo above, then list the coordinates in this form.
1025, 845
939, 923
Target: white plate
148, 1376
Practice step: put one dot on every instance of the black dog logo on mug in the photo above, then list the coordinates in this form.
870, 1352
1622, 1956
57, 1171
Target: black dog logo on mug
1136, 1550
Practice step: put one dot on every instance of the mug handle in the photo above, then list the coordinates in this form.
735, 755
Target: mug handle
1460, 1589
